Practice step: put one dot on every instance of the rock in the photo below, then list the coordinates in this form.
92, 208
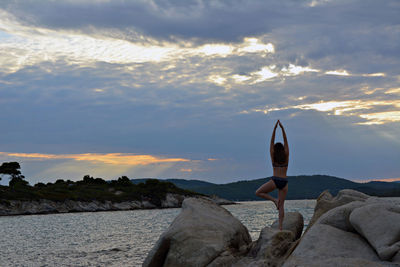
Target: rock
339, 217
270, 249
326, 202
201, 233
325, 245
379, 223
396, 258
273, 246
172, 201
341, 262
221, 201
293, 221
44, 206
345, 231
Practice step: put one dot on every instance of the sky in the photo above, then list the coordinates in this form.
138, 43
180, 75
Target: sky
191, 89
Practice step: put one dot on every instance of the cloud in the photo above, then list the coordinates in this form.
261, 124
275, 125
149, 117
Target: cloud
380, 180
361, 108
197, 79
110, 158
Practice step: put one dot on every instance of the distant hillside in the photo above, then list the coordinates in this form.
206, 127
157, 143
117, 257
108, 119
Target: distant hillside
300, 187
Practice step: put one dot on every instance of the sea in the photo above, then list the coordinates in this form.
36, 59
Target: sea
113, 238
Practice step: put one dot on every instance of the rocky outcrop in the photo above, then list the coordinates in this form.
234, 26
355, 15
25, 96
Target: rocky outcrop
44, 206
379, 223
327, 202
205, 234
202, 234
274, 246
351, 229
293, 222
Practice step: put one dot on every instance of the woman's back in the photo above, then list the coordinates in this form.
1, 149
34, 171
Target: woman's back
280, 171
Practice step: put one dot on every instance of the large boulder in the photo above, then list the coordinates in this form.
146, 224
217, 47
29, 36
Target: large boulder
326, 202
324, 245
379, 223
339, 217
351, 229
198, 236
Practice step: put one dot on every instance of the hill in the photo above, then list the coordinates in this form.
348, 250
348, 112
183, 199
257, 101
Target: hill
300, 187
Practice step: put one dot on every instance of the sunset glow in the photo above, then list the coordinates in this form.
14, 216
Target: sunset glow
111, 158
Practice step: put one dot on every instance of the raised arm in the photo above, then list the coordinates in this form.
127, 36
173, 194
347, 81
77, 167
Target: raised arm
271, 146
286, 144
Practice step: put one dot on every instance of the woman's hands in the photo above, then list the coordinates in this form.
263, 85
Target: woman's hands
280, 124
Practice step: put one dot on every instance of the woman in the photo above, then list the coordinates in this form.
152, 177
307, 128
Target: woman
280, 159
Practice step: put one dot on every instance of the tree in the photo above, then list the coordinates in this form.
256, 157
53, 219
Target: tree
18, 182
124, 180
12, 169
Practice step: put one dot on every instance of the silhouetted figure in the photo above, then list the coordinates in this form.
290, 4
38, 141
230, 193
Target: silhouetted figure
280, 159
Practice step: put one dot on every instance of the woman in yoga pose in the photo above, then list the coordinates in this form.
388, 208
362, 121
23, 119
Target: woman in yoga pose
280, 159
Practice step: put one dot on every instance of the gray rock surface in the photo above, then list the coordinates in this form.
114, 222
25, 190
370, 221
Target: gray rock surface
396, 258
324, 243
327, 202
200, 234
339, 217
274, 246
351, 229
379, 223
293, 221
270, 249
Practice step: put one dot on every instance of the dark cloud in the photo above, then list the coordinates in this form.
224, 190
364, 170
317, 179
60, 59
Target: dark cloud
216, 20
151, 108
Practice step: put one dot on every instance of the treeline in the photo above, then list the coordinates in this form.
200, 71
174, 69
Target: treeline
89, 189
300, 187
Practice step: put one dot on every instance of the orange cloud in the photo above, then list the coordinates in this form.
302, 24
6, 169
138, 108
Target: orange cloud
186, 170
109, 158
378, 180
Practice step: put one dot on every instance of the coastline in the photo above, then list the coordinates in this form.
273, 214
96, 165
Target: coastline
45, 206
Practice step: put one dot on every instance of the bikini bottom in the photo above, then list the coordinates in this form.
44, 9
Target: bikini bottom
279, 182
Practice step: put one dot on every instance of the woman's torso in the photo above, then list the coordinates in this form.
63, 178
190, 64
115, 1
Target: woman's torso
280, 171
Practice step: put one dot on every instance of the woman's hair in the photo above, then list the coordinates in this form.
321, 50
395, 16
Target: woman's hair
279, 153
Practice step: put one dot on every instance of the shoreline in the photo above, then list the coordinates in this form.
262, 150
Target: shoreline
45, 206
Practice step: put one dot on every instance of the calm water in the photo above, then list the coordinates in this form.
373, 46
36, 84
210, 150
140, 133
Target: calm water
117, 238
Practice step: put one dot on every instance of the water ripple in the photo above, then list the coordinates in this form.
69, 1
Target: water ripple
115, 238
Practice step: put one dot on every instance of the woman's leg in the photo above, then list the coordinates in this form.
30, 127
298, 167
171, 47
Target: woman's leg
265, 189
281, 201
